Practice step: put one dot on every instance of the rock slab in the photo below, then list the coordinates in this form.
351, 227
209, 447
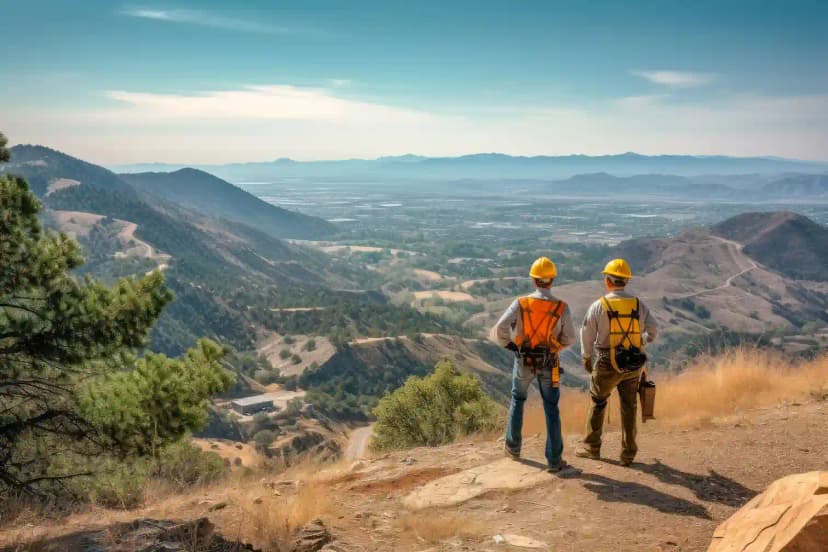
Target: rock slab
791, 515
313, 537
505, 474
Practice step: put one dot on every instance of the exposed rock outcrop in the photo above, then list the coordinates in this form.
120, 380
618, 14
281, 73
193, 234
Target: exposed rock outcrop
791, 515
313, 537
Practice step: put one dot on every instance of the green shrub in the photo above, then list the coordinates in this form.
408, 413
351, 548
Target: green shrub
264, 437
184, 464
296, 359
115, 484
284, 354
266, 377
310, 345
433, 410
120, 484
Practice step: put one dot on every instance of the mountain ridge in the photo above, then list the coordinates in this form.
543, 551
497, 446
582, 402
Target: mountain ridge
790, 243
496, 165
205, 254
196, 189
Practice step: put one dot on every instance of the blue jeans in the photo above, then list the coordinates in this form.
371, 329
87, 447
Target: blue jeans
521, 379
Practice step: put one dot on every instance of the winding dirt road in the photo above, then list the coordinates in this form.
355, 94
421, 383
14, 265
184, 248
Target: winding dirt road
358, 442
735, 252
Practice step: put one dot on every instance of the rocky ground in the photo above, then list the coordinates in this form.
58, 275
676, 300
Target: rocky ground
467, 496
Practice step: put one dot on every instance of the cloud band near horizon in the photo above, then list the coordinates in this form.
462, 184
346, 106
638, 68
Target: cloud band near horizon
282, 120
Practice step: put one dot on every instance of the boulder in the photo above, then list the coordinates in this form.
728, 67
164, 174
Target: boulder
791, 515
312, 537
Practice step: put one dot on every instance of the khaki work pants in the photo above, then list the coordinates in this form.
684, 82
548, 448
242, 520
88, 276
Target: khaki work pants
604, 379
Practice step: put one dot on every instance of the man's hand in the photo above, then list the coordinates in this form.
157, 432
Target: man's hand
587, 364
512, 347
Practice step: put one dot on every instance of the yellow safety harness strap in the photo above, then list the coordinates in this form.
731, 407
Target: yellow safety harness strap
612, 314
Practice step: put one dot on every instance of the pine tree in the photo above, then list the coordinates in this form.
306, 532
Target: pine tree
4, 153
70, 383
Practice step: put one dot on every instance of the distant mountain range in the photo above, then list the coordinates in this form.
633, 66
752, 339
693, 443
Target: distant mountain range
496, 166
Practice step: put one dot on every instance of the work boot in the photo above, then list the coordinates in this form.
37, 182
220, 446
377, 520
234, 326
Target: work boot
556, 468
584, 452
511, 454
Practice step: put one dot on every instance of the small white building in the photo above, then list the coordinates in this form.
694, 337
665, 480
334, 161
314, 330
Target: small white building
251, 405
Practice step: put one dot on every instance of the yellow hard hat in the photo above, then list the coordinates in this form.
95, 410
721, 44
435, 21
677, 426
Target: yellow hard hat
543, 269
618, 268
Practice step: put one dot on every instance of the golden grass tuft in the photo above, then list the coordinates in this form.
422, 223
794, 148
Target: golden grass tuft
275, 520
270, 520
435, 527
712, 387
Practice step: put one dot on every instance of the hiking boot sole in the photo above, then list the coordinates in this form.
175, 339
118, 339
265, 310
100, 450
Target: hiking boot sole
588, 454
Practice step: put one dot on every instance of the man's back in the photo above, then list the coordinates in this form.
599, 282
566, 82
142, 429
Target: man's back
595, 331
510, 325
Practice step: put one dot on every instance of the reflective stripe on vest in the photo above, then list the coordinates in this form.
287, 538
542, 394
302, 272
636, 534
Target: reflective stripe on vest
539, 318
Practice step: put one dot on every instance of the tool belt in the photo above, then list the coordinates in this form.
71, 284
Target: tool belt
539, 358
627, 359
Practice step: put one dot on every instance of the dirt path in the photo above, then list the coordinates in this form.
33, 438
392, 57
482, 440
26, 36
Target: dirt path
358, 442
735, 252
127, 234
685, 482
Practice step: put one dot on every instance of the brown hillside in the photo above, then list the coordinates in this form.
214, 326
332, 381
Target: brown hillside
697, 283
790, 243
382, 364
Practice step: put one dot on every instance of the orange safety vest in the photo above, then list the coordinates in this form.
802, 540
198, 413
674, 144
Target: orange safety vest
539, 318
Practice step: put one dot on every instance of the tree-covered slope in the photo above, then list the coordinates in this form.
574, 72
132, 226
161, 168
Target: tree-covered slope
211, 259
204, 192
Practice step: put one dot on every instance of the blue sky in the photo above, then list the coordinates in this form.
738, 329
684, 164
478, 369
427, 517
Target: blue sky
213, 81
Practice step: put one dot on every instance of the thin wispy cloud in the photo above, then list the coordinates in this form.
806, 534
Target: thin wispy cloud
675, 79
205, 19
279, 102
642, 101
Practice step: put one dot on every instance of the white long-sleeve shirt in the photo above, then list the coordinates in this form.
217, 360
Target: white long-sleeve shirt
596, 327
510, 324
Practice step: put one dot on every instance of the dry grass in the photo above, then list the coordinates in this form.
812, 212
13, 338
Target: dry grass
273, 520
258, 507
712, 387
270, 519
435, 527
450, 296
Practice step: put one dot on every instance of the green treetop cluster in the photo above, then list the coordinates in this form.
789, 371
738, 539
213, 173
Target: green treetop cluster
433, 411
71, 385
